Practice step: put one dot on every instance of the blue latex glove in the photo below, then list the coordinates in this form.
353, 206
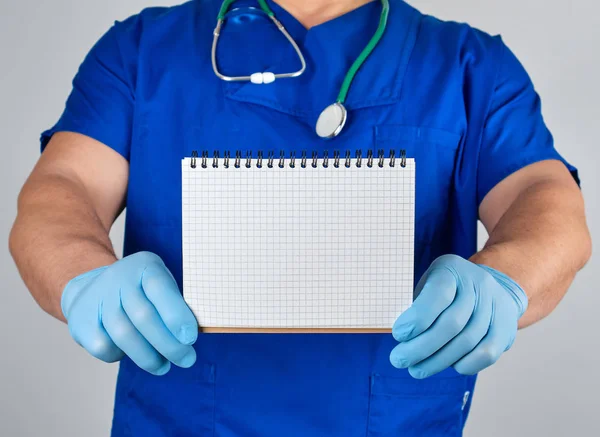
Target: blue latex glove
465, 316
132, 308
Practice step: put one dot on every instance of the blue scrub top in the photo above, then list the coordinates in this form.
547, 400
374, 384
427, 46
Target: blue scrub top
456, 99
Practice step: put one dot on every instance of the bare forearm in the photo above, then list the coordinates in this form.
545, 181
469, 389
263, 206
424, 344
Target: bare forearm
57, 236
541, 242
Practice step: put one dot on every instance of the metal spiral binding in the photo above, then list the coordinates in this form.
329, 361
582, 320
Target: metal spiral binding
371, 159
381, 158
281, 159
270, 162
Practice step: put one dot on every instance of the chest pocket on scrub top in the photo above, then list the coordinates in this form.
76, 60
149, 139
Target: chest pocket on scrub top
435, 153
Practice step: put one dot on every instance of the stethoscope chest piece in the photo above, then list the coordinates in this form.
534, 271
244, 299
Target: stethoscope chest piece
332, 121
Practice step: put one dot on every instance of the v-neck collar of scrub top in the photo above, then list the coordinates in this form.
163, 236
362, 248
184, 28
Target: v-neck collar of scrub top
330, 49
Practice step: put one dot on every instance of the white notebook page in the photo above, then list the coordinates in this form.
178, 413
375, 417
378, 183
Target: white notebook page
298, 247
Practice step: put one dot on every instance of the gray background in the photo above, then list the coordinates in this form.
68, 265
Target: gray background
547, 385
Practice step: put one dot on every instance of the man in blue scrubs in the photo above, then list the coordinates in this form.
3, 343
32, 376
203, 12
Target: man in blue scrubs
456, 99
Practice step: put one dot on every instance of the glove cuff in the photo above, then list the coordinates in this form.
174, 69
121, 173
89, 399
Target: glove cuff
513, 289
73, 288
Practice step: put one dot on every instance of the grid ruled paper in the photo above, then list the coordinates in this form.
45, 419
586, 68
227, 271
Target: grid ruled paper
298, 247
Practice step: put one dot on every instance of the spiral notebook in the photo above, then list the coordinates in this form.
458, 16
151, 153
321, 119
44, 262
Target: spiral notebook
279, 242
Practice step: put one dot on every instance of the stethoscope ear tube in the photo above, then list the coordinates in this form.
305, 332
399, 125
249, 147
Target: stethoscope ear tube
258, 77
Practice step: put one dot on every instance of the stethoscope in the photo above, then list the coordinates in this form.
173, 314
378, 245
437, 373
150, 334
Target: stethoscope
333, 118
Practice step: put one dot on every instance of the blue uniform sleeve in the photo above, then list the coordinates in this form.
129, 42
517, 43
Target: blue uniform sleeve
515, 134
101, 102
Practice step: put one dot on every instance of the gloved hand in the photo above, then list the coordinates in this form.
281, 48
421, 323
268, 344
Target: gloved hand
132, 307
465, 316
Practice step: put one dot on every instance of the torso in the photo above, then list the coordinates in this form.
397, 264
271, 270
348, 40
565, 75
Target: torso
305, 384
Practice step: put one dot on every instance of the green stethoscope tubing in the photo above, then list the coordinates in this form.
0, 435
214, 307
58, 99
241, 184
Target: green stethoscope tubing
364, 55
333, 118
